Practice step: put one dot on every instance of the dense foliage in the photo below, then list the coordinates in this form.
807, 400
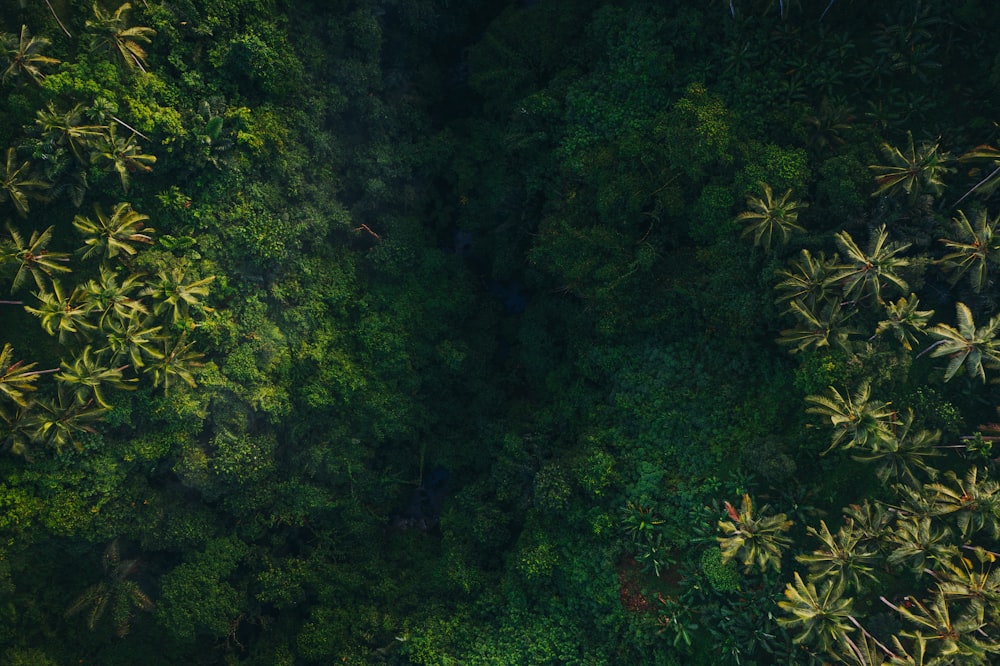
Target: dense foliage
499, 332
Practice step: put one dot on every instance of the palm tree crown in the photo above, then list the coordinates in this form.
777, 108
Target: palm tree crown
771, 218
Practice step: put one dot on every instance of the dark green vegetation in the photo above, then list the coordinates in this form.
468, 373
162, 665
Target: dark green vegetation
553, 332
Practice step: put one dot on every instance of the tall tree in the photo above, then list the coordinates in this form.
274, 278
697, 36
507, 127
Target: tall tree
61, 314
905, 321
116, 591
120, 155
972, 501
88, 375
868, 271
771, 218
18, 184
113, 298
16, 377
843, 558
973, 249
913, 170
177, 361
33, 258
758, 540
857, 420
178, 296
822, 616
23, 55
112, 33
968, 345
109, 235
898, 458
806, 280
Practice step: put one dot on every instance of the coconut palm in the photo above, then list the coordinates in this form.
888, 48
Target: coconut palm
821, 326
132, 340
843, 558
56, 422
33, 258
71, 129
973, 249
899, 457
755, 538
905, 321
18, 185
16, 377
109, 235
15, 429
115, 591
87, 376
953, 637
867, 271
112, 33
123, 156
176, 295
23, 55
822, 616
967, 345
913, 170
973, 502
177, 361
857, 420
771, 219
976, 583
870, 521
920, 542
807, 280
61, 314
113, 297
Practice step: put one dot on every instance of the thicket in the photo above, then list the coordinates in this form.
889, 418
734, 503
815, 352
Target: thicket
568, 331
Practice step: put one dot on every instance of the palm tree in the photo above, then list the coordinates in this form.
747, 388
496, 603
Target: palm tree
132, 340
973, 250
111, 299
112, 33
817, 327
899, 457
823, 617
967, 345
771, 218
23, 56
109, 235
178, 296
757, 540
806, 280
34, 259
870, 521
62, 315
18, 185
974, 502
115, 591
122, 156
15, 429
865, 271
857, 420
177, 361
920, 542
843, 558
912, 170
87, 376
16, 377
905, 320
954, 637
69, 128
978, 584
57, 422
